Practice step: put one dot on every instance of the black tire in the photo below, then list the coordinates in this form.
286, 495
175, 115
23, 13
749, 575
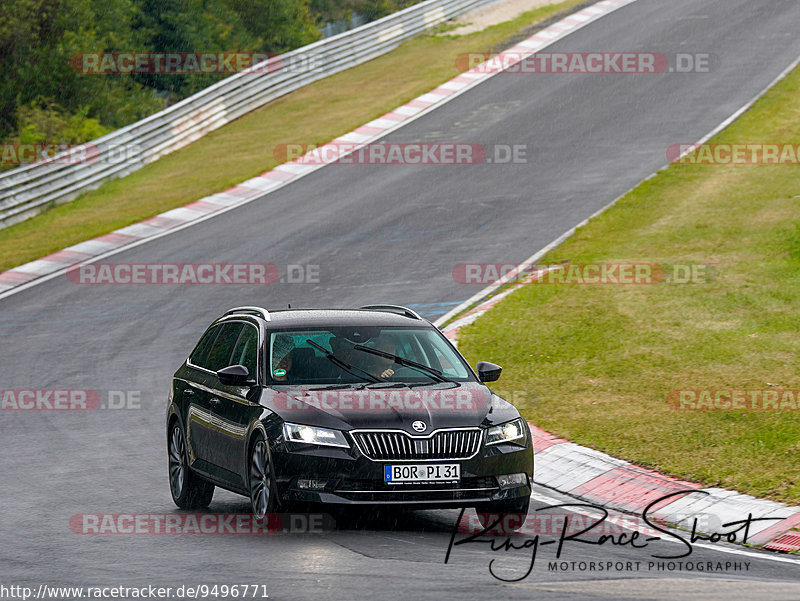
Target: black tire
189, 491
504, 517
262, 487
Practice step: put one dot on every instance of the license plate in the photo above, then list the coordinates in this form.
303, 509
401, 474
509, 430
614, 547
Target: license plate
422, 472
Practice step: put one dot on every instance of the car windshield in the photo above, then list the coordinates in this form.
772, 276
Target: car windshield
366, 355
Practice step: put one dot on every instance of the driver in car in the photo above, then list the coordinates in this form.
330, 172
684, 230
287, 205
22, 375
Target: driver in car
384, 366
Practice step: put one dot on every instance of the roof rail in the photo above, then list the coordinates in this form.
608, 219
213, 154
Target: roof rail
260, 311
393, 309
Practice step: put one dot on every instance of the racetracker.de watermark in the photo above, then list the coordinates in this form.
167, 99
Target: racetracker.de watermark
393, 154
607, 273
591, 525
14, 154
387, 401
200, 523
72, 399
731, 399
745, 153
179, 274
586, 63
175, 63
60, 153
48, 399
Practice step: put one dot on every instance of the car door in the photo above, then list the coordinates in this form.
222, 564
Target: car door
201, 422
233, 412
192, 389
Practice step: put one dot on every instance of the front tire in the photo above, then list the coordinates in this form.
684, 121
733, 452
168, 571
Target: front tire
189, 491
507, 516
263, 491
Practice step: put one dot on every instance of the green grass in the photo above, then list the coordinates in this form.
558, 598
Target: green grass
595, 363
314, 114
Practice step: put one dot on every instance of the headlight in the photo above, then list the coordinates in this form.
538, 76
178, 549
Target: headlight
314, 435
513, 431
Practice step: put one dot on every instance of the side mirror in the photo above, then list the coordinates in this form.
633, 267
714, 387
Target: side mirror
234, 375
488, 372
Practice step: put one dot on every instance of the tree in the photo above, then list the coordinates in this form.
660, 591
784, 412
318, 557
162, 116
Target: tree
278, 25
37, 40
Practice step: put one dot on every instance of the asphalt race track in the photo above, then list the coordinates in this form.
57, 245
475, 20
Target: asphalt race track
378, 234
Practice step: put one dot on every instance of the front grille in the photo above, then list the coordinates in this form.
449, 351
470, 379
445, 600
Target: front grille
400, 446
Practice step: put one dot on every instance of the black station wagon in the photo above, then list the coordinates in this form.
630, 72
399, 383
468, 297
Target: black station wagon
372, 406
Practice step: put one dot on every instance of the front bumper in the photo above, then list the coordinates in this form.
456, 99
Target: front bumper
346, 477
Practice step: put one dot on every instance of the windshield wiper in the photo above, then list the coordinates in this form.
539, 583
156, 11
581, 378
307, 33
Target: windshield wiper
333, 386
434, 374
376, 385
311, 386
453, 382
339, 363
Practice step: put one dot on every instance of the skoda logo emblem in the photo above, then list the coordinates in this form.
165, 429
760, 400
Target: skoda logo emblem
419, 426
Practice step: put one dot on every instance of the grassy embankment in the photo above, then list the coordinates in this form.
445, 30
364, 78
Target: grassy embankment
597, 362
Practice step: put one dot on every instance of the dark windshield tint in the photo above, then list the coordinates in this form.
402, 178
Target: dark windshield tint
295, 360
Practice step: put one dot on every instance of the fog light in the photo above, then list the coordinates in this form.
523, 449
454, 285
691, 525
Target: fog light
312, 484
509, 480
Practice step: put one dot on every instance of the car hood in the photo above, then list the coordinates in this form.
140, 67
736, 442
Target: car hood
467, 404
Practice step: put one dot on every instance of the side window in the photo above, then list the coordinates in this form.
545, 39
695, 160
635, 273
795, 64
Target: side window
200, 352
220, 354
246, 350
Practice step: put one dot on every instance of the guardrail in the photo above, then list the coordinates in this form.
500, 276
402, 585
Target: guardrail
26, 191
